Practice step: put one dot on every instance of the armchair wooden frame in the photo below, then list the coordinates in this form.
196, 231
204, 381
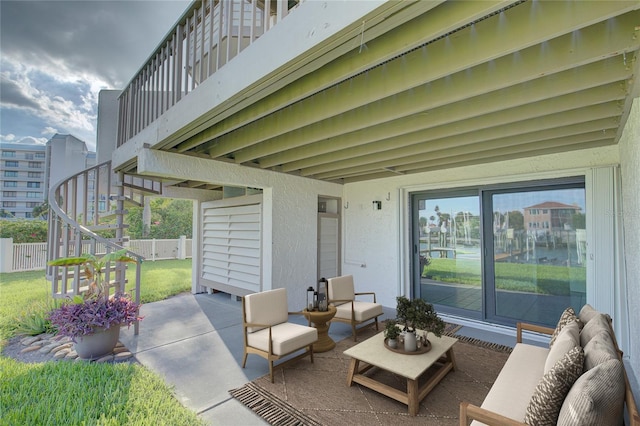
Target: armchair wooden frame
268, 354
353, 322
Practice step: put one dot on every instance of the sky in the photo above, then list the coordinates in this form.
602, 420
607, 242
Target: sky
56, 55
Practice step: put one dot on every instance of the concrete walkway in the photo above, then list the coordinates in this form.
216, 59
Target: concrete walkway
195, 343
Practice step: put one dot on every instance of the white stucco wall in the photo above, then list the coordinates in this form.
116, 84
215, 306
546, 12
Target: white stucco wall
630, 171
290, 206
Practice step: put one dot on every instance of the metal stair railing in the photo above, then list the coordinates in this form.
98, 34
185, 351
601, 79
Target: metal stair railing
75, 206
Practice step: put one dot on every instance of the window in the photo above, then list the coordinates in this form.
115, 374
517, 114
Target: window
11, 164
490, 253
10, 184
39, 154
10, 173
32, 204
8, 153
33, 184
35, 175
9, 194
28, 215
35, 165
28, 156
33, 195
8, 204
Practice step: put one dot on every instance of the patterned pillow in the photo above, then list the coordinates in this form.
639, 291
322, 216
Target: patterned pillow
548, 397
567, 339
568, 316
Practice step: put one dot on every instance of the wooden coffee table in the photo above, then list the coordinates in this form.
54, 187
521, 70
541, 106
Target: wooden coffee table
373, 353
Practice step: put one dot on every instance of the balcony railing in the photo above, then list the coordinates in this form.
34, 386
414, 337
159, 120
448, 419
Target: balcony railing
208, 35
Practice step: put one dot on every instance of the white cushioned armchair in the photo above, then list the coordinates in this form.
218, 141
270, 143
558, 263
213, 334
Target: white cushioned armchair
267, 331
349, 310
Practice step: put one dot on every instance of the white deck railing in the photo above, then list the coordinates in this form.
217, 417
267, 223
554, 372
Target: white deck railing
208, 35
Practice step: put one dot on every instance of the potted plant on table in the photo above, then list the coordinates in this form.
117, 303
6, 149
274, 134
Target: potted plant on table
93, 320
391, 332
417, 314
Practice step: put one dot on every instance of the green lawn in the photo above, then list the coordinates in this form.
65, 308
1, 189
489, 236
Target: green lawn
84, 393
532, 278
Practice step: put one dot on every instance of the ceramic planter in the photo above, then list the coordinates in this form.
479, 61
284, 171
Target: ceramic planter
98, 344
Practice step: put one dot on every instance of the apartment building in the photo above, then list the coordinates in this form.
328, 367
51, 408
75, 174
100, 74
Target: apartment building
22, 177
28, 170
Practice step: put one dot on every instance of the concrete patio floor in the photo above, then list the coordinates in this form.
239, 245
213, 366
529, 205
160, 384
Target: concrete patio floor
195, 343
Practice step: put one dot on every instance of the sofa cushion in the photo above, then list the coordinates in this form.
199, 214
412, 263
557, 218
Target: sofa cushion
596, 398
361, 310
567, 339
516, 382
599, 349
546, 401
268, 307
596, 324
568, 316
286, 338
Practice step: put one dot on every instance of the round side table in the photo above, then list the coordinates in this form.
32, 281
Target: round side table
319, 320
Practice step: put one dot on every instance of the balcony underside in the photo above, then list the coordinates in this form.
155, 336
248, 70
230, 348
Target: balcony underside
447, 85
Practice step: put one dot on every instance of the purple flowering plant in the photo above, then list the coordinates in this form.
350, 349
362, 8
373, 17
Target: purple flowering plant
80, 317
95, 308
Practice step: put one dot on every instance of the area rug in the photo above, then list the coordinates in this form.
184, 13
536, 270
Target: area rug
317, 394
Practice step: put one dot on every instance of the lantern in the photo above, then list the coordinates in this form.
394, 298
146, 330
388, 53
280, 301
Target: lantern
310, 303
323, 305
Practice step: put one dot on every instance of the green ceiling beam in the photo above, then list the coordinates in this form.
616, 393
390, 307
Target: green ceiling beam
476, 114
490, 40
551, 126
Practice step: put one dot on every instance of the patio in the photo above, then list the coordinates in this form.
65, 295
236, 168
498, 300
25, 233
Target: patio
195, 343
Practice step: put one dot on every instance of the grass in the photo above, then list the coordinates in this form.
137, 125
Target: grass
84, 393
531, 278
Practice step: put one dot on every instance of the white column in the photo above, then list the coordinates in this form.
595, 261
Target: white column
6, 254
182, 247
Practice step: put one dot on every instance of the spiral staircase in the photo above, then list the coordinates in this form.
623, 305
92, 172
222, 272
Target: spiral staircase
84, 205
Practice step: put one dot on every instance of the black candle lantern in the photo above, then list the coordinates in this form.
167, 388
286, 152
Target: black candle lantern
310, 303
322, 295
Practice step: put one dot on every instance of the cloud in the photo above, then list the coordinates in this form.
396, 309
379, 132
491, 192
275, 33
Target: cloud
58, 55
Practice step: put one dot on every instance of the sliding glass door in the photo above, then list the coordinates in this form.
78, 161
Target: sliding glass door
505, 253
448, 250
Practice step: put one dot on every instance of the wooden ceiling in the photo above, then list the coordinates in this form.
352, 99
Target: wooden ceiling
450, 84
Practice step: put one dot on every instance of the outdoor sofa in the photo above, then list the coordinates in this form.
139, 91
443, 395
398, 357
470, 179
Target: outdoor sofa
579, 379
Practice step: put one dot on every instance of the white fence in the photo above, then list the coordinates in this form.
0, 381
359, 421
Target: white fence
33, 256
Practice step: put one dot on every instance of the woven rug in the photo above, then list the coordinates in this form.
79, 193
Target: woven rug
317, 394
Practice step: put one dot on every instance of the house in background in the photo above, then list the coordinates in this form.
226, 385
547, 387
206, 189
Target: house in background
316, 136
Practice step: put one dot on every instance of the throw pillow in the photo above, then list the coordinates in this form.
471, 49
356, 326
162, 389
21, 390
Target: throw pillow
546, 401
568, 338
596, 398
599, 349
568, 316
586, 313
598, 323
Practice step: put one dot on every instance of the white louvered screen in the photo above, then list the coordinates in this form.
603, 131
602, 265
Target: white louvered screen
231, 243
